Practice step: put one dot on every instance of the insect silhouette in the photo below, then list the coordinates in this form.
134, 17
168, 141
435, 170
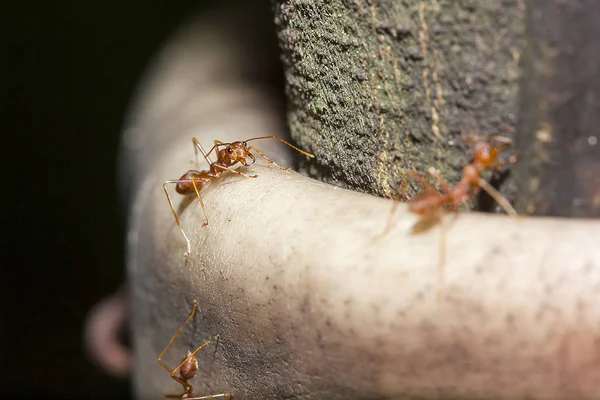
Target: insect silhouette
228, 154
429, 202
188, 367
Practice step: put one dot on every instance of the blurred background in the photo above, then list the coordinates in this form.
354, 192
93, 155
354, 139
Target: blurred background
72, 68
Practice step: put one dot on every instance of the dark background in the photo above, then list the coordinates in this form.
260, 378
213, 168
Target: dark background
70, 69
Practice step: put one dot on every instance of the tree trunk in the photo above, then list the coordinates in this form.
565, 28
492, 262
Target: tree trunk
381, 87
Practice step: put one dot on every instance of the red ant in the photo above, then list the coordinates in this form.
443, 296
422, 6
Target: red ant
188, 367
428, 203
484, 158
231, 154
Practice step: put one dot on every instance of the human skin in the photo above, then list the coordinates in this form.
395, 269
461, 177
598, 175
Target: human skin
309, 302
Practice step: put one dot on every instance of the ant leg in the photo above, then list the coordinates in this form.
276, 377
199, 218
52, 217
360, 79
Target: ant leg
433, 172
200, 200
426, 186
234, 171
504, 140
198, 146
496, 195
193, 353
442, 238
306, 153
159, 358
211, 396
410, 174
187, 240
388, 226
442, 261
267, 159
401, 187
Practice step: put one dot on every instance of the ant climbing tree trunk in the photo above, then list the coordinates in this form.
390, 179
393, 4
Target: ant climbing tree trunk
560, 110
376, 88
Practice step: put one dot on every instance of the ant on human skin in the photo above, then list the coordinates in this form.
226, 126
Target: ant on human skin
188, 367
231, 154
429, 202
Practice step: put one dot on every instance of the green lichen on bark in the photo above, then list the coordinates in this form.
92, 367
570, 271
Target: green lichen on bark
379, 87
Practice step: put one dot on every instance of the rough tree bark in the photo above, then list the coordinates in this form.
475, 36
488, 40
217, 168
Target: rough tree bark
379, 87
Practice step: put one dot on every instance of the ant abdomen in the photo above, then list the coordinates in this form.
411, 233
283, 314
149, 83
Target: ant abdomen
190, 366
185, 185
426, 203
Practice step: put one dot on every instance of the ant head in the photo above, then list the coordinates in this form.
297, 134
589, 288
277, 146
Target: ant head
189, 368
483, 153
486, 153
238, 152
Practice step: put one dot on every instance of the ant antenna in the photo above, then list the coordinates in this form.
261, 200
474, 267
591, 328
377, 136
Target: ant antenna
219, 143
306, 153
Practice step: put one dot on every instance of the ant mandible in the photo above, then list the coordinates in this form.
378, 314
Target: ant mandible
188, 367
231, 154
428, 203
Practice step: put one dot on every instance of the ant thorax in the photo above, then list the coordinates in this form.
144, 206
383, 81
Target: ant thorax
483, 154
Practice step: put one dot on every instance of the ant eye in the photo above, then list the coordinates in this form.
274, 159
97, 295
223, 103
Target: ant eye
229, 150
